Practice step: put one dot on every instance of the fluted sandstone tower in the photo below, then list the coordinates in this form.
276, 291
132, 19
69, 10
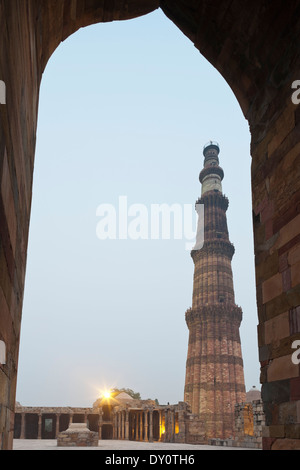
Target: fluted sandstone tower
214, 368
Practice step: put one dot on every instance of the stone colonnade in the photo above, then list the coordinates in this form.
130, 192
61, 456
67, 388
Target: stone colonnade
146, 423
40, 422
32, 422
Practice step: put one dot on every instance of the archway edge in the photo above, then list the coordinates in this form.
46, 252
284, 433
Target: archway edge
68, 16
226, 35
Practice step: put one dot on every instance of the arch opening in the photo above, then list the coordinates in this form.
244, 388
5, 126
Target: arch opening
86, 138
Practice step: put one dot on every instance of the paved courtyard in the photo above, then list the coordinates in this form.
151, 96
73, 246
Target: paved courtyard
111, 445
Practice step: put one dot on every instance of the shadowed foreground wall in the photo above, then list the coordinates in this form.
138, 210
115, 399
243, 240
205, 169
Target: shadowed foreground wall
256, 50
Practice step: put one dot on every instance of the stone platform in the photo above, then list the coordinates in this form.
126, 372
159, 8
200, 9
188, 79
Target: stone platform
77, 435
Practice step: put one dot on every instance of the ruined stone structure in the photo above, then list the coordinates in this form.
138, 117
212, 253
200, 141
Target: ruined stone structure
214, 369
124, 418
249, 423
77, 435
121, 418
256, 49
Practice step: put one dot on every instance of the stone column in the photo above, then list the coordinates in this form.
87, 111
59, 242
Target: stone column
151, 426
127, 425
57, 425
181, 425
40, 426
100, 421
140, 413
167, 426
172, 426
146, 426
122, 424
115, 427
136, 416
22, 435
119, 425
160, 424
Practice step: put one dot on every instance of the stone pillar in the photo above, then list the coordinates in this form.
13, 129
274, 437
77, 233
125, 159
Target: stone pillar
167, 426
160, 424
116, 426
126, 425
57, 425
181, 424
40, 422
122, 424
146, 426
23, 434
100, 422
136, 415
172, 425
151, 425
140, 414
119, 425
165, 420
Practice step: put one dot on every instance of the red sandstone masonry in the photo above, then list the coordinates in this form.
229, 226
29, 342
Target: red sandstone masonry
214, 375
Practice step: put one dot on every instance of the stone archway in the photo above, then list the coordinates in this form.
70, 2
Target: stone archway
256, 50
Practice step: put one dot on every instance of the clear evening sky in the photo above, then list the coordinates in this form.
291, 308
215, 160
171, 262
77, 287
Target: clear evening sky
125, 110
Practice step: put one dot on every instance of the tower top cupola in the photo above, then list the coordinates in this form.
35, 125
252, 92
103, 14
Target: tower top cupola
211, 149
212, 174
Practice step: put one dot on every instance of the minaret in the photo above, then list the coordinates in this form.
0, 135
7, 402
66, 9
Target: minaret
214, 369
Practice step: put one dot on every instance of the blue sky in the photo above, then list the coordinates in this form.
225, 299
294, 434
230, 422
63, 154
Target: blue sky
125, 110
